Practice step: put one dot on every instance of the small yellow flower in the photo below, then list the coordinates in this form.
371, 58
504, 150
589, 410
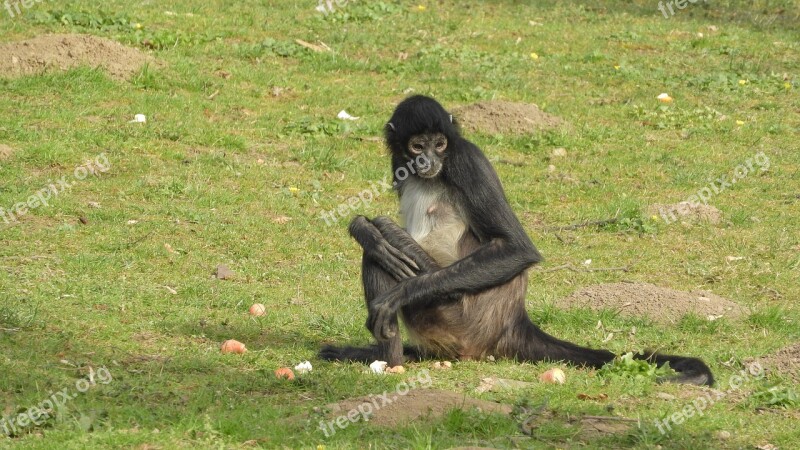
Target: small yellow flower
293, 189
740, 122
320, 447
616, 67
743, 82
654, 218
137, 25
787, 85
534, 56
421, 7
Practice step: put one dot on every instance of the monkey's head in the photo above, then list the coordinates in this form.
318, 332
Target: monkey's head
422, 132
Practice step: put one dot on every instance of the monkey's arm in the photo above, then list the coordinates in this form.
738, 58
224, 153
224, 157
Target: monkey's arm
378, 249
506, 250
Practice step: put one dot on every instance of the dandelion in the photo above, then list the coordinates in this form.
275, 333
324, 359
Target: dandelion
743, 82
421, 7
534, 56
740, 122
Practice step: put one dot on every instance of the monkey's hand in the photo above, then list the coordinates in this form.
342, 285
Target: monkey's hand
392, 260
396, 263
382, 317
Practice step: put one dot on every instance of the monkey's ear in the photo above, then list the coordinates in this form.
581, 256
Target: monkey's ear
390, 125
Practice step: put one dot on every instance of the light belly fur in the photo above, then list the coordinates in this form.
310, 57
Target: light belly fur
432, 220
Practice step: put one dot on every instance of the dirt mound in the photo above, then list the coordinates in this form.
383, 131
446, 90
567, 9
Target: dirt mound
686, 211
656, 303
417, 404
785, 361
65, 51
499, 117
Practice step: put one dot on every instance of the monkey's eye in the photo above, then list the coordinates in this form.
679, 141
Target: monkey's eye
417, 148
440, 144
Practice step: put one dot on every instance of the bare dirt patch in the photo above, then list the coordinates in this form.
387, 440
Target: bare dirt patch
5, 151
501, 117
785, 361
417, 404
584, 428
687, 212
66, 51
656, 303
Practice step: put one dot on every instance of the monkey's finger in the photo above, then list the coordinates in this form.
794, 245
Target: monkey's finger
385, 329
387, 322
394, 265
407, 259
382, 322
371, 326
396, 269
402, 257
389, 329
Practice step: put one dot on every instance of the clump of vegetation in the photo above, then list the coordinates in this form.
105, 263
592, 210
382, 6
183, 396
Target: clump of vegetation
87, 20
122, 27
775, 396
627, 366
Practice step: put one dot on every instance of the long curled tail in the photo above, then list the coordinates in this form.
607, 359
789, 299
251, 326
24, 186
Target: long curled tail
690, 370
539, 346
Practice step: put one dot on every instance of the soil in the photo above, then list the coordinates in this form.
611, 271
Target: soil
687, 212
785, 361
417, 404
5, 152
656, 303
66, 51
587, 428
500, 117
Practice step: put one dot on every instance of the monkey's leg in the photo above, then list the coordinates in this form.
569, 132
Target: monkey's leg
390, 255
383, 266
377, 281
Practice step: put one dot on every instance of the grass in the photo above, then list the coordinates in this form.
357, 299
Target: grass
242, 176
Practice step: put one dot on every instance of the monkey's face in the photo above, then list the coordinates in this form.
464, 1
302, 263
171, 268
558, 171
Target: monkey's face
428, 151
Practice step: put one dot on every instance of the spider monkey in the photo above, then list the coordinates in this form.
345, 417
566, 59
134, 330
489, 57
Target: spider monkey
457, 273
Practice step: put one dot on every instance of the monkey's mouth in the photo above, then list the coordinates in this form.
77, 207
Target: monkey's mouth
429, 169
